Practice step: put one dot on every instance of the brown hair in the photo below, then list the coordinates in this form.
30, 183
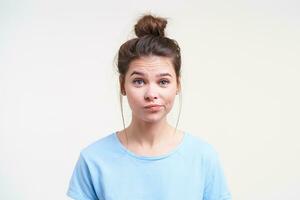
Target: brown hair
151, 40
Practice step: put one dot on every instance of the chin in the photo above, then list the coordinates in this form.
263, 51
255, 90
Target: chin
150, 117
153, 119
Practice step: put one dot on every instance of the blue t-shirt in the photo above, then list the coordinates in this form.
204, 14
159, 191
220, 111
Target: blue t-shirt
107, 170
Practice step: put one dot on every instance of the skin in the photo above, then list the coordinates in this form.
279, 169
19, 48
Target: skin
150, 80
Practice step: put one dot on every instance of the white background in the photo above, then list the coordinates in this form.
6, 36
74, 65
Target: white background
59, 89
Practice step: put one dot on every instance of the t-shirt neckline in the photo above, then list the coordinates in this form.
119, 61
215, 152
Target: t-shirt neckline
173, 151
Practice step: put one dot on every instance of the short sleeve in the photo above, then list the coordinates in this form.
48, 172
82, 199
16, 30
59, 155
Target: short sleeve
216, 187
80, 185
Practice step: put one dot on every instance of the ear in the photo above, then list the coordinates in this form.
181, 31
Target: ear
121, 82
178, 85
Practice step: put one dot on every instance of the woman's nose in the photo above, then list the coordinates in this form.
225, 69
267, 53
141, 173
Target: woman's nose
151, 93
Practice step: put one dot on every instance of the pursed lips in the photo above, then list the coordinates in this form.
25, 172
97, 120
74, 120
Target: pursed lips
152, 105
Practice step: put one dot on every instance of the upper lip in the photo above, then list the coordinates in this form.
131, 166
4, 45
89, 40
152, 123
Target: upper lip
152, 105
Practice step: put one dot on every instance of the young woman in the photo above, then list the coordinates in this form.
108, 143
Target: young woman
150, 159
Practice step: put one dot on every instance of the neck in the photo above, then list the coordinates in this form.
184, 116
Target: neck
149, 135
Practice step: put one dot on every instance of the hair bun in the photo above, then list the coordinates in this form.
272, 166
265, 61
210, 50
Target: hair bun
150, 25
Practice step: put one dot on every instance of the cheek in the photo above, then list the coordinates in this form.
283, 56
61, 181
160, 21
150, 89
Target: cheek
134, 98
170, 98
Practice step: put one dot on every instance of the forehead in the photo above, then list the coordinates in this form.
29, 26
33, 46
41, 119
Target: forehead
152, 65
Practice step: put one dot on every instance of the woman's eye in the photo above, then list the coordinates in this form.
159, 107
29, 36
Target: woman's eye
138, 81
164, 82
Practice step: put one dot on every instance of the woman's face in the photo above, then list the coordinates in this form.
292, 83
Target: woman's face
151, 81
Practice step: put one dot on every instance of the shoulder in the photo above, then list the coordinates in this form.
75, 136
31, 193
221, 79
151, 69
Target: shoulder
201, 147
99, 148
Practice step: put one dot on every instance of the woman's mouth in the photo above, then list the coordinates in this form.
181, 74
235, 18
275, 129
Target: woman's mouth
153, 107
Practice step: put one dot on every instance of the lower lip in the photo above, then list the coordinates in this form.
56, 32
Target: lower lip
154, 108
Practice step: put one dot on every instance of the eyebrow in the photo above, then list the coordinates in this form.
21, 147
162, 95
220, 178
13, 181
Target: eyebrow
158, 75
